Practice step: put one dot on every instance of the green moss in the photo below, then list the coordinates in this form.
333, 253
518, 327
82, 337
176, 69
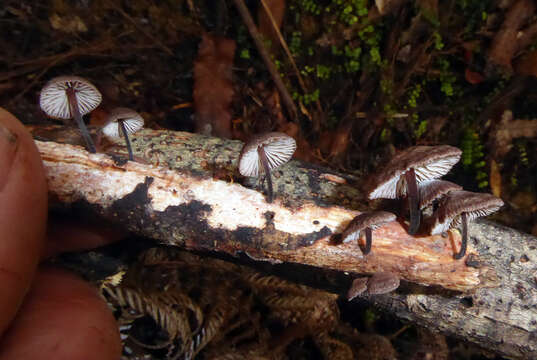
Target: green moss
473, 157
245, 54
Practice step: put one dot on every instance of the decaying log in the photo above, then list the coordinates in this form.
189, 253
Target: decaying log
185, 191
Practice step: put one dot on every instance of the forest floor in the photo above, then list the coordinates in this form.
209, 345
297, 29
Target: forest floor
360, 80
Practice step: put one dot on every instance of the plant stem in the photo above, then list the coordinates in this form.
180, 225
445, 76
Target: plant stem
264, 161
124, 131
413, 201
464, 241
368, 240
73, 105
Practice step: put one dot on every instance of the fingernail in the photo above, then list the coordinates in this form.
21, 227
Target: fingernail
8, 149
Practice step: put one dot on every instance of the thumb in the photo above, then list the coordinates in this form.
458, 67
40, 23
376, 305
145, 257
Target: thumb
23, 213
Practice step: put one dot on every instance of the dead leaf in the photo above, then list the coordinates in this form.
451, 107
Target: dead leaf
213, 88
69, 24
473, 77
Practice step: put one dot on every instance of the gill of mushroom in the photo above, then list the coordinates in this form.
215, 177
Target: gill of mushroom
123, 121
402, 175
266, 151
365, 223
462, 207
66, 97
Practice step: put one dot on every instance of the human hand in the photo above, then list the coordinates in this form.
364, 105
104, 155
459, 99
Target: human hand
45, 312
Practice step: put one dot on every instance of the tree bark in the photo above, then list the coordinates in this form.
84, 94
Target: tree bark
186, 192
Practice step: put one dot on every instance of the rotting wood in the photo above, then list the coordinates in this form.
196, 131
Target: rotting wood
188, 207
188, 195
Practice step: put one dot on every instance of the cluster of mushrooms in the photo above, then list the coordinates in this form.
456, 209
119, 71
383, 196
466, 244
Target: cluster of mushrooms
68, 97
413, 176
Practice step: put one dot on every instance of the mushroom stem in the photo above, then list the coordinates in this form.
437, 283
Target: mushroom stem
73, 105
464, 241
125, 134
368, 240
266, 169
413, 201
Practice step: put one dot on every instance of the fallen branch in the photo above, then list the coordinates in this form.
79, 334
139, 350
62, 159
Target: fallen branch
189, 196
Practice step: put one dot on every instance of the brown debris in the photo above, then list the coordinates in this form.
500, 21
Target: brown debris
507, 130
505, 44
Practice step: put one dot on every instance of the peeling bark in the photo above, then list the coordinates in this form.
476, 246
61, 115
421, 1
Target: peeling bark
188, 194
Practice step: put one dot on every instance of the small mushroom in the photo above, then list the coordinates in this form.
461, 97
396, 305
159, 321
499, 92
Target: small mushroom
462, 207
366, 222
266, 151
434, 190
380, 283
358, 287
67, 97
402, 174
123, 121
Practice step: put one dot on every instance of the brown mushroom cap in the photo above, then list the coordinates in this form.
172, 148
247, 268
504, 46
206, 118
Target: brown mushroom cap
373, 220
475, 205
435, 189
53, 98
359, 286
131, 120
278, 147
428, 162
382, 283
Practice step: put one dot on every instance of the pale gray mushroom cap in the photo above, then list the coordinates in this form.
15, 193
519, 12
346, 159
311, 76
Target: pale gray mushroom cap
373, 220
428, 162
475, 205
131, 119
53, 98
435, 189
279, 148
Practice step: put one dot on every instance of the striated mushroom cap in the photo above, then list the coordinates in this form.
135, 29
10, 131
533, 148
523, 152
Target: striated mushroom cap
435, 189
278, 147
53, 98
475, 205
428, 162
132, 121
373, 220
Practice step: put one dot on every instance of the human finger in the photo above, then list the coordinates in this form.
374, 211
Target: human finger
63, 317
23, 214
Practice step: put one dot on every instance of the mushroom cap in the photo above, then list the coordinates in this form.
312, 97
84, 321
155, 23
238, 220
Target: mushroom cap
435, 189
279, 148
373, 220
475, 205
358, 286
131, 119
382, 283
428, 162
53, 98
